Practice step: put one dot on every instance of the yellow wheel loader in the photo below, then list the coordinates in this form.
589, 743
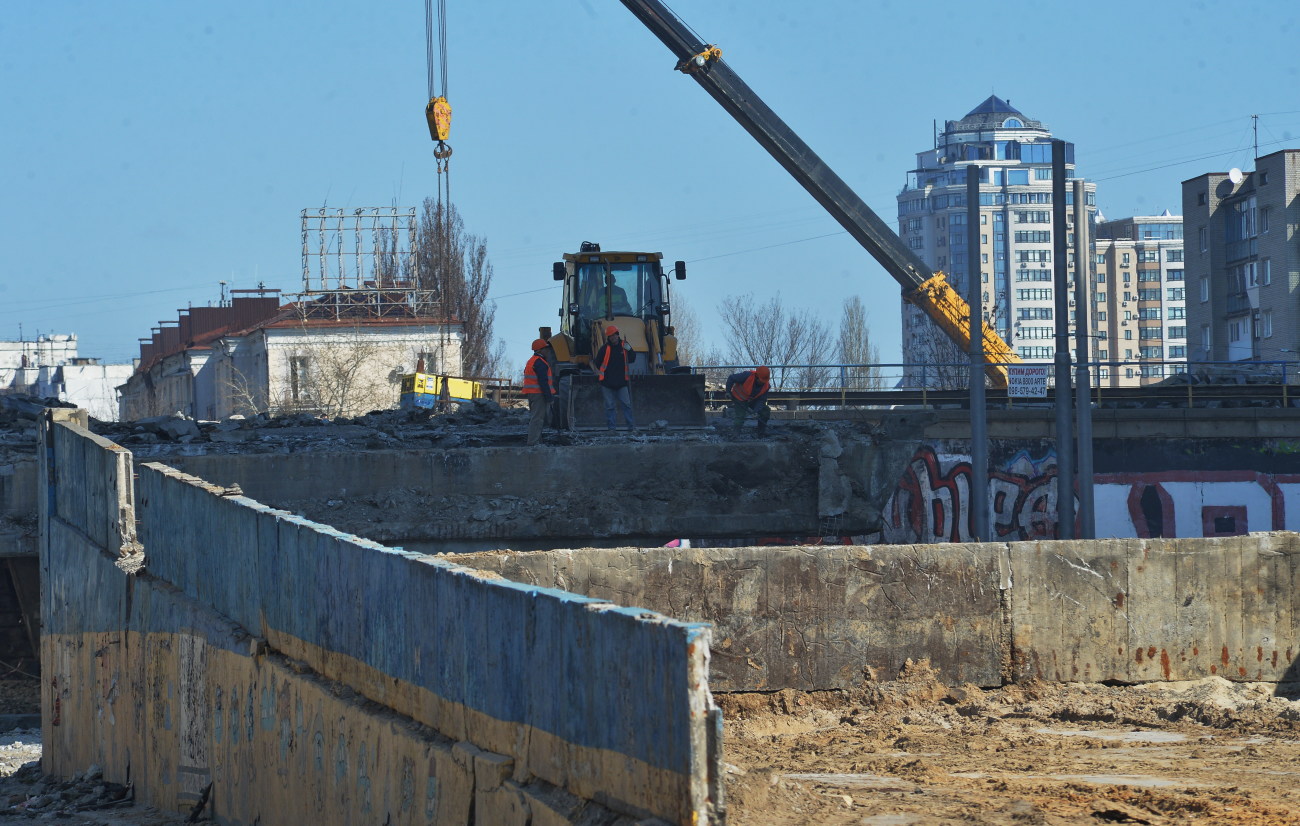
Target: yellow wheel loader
627, 290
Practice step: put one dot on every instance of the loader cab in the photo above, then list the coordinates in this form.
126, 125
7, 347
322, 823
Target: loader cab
627, 289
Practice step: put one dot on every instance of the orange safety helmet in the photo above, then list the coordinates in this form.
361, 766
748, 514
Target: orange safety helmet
611, 330
540, 344
763, 373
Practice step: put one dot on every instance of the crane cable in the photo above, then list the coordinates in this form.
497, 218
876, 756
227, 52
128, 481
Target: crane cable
438, 110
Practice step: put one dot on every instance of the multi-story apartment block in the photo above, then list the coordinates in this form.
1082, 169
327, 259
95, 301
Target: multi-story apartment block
1138, 296
1243, 262
1016, 231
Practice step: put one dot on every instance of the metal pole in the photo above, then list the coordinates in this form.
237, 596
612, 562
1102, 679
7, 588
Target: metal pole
1083, 352
1064, 418
979, 428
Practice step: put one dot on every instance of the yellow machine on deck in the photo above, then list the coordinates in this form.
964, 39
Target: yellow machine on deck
627, 290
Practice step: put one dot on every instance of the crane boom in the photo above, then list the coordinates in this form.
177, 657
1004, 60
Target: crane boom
928, 290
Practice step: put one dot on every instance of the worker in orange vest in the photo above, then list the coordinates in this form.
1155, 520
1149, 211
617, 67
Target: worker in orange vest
611, 365
539, 389
748, 390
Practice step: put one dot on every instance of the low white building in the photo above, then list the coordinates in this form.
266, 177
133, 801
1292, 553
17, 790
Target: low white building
334, 355
49, 367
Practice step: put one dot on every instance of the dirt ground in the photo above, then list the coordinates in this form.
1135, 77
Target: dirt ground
910, 751
914, 751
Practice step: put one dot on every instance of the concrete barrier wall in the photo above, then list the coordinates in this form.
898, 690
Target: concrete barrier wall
298, 670
687, 488
830, 617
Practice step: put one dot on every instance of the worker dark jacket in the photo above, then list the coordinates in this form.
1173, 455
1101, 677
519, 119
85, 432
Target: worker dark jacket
537, 377
611, 364
746, 387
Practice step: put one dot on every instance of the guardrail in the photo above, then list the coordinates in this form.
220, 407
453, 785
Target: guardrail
1154, 383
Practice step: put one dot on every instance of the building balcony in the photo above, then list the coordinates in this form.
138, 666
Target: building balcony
1238, 304
1245, 248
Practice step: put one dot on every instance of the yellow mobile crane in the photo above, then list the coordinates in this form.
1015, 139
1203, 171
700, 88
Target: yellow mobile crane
928, 290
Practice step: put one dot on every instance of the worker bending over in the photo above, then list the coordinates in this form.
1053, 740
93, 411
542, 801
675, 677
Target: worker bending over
611, 365
539, 389
748, 390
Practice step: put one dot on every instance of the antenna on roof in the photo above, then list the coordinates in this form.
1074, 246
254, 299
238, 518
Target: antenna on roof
223, 292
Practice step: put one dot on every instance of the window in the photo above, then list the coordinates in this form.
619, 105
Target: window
1173, 275
1125, 259
1034, 352
1176, 313
1263, 220
1040, 216
1102, 335
1128, 371
298, 378
1128, 336
1149, 295
1037, 332
1266, 324
1128, 278
1103, 355
1101, 316
1263, 178
916, 242
1128, 296
1205, 289
1178, 351
1150, 333
1033, 275
1033, 236
1205, 337
1153, 352
1128, 315
1101, 298
1105, 371
1042, 173
1202, 236
1036, 256
1267, 276
1148, 275
1148, 256
1173, 255
1200, 199
1101, 278
1149, 313
1030, 313
1035, 294
984, 257
1234, 331
1178, 332
913, 224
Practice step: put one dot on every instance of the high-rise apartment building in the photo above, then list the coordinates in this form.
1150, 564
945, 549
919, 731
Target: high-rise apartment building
1015, 266
1138, 290
1243, 262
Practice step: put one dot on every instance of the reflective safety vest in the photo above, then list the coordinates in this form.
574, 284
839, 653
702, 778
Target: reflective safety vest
530, 376
749, 389
604, 362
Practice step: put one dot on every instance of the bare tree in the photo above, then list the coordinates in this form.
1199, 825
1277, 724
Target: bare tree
454, 266
770, 334
342, 375
937, 360
856, 347
686, 328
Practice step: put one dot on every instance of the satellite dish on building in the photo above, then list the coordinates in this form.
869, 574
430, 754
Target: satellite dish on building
1235, 175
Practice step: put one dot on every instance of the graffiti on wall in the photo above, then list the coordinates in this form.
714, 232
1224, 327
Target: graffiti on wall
932, 501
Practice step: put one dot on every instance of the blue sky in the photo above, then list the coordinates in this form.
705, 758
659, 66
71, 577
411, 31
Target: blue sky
150, 150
